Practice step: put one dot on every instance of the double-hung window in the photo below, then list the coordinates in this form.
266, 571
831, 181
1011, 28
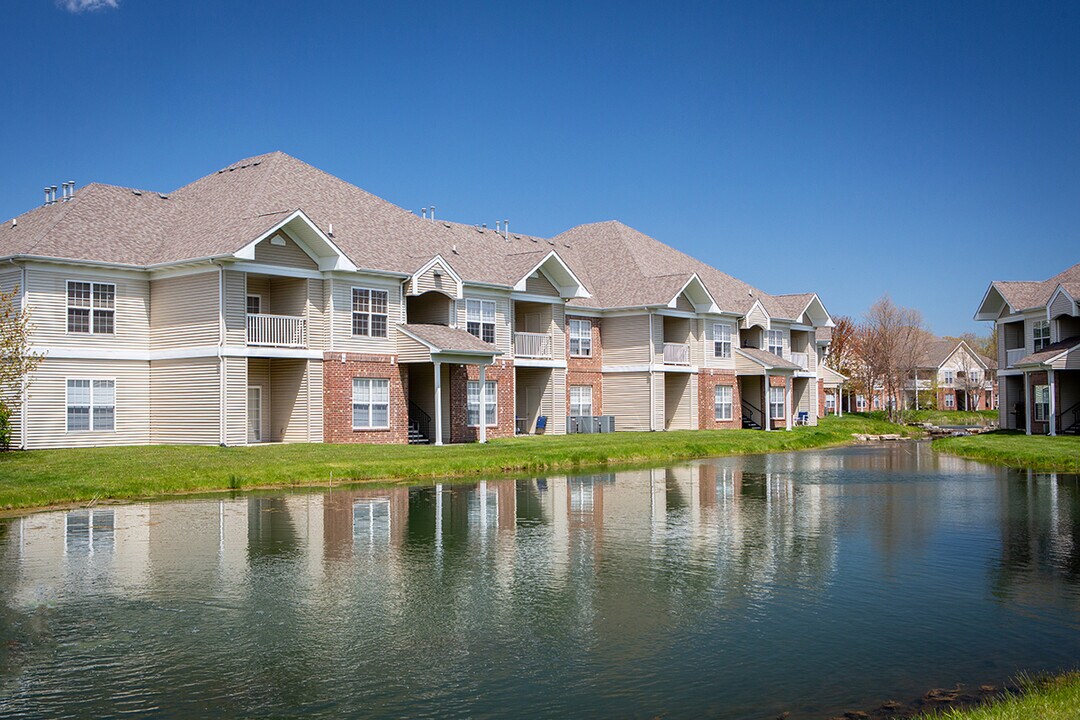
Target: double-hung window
860, 402
1040, 331
580, 400
775, 338
1042, 402
776, 403
722, 340
254, 304
91, 307
370, 403
830, 402
369, 312
581, 338
480, 319
491, 414
722, 402
950, 400
91, 405
950, 378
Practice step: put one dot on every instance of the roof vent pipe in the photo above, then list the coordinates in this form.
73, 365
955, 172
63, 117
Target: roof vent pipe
483, 227
506, 229
432, 218
71, 188
498, 227
54, 193
46, 194
423, 213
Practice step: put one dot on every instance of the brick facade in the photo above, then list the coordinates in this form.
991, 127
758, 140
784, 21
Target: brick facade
777, 381
338, 392
586, 370
820, 398
708, 379
502, 373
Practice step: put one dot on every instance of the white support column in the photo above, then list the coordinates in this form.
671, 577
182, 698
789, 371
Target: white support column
840, 400
766, 420
789, 394
438, 403
1053, 402
1029, 404
483, 405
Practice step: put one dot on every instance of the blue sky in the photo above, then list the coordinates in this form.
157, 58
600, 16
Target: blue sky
851, 148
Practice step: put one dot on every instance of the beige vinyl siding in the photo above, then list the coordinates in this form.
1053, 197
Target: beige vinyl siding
657, 344
709, 337
1061, 306
540, 285
315, 400
678, 406
683, 303
557, 415
236, 384
626, 396
344, 340
185, 401
427, 281
258, 375
410, 350
289, 254
424, 312
756, 316
530, 383
10, 279
235, 284
626, 340
746, 366
289, 418
503, 315
697, 342
184, 311
659, 399
47, 403
558, 332
47, 295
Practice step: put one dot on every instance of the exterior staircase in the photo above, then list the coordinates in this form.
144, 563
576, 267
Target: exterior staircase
748, 423
419, 426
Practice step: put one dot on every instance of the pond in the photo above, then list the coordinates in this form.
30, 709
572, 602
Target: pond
743, 587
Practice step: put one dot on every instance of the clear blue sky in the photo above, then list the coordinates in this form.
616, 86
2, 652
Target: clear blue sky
850, 148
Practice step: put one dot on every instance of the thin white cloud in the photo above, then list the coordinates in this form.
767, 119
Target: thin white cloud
78, 6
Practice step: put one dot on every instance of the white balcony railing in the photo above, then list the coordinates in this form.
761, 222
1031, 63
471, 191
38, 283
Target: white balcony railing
1012, 356
277, 330
676, 354
532, 345
801, 359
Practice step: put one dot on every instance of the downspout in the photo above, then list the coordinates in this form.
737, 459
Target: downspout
24, 304
652, 384
221, 353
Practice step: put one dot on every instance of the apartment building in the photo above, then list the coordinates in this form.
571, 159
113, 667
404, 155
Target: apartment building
1038, 331
955, 376
272, 302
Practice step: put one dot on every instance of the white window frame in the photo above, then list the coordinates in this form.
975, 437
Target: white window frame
370, 404
773, 404
581, 333
1039, 338
1040, 407
90, 406
92, 308
721, 344
475, 308
950, 401
860, 402
830, 401
581, 390
247, 300
770, 346
719, 404
370, 314
472, 402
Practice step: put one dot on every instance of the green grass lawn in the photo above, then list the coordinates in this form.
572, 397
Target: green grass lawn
1014, 449
1056, 698
45, 477
952, 417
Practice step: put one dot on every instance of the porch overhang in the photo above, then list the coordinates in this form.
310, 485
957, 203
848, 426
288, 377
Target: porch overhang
439, 343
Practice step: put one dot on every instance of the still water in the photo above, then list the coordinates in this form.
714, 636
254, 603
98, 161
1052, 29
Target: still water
735, 588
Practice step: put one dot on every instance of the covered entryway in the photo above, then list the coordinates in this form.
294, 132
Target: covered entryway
279, 406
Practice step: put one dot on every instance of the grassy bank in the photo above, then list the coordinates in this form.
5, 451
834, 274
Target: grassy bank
1013, 449
1056, 698
47, 477
952, 417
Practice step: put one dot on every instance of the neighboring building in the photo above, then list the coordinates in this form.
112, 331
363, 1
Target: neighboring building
958, 377
1038, 330
272, 302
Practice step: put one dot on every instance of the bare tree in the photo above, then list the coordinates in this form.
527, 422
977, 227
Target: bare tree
17, 360
969, 379
895, 341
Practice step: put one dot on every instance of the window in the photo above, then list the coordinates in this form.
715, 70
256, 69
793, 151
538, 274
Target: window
491, 417
830, 402
860, 402
775, 339
722, 403
776, 403
581, 400
1042, 402
369, 312
581, 338
370, 403
722, 340
950, 378
950, 401
480, 319
254, 304
973, 378
91, 307
91, 405
1040, 330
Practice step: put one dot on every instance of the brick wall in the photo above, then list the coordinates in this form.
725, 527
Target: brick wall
708, 379
337, 398
820, 398
596, 379
586, 370
775, 381
503, 374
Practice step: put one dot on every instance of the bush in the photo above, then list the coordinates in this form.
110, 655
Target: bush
5, 427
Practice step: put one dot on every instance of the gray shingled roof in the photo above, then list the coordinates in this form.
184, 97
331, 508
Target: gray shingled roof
1049, 352
1028, 294
450, 339
769, 359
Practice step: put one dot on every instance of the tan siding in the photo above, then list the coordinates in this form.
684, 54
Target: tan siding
683, 303
626, 396
288, 411
318, 332
185, 401
344, 340
259, 376
659, 401
626, 340
427, 281
1061, 306
503, 315
658, 340
697, 342
315, 401
540, 285
557, 415
10, 279
289, 254
432, 310
756, 316
709, 336
48, 303
184, 311
47, 403
558, 332
410, 350
236, 383
236, 306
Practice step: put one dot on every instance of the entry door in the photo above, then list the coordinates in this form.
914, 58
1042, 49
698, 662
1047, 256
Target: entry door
254, 414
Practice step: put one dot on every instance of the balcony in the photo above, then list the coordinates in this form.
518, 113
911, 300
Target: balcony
536, 346
676, 354
1013, 356
801, 359
277, 331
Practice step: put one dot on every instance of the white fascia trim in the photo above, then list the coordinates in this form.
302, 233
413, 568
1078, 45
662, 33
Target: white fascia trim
547, 299
982, 314
98, 269
182, 270
438, 260
583, 312
711, 307
626, 368
281, 270
59, 352
338, 261
459, 358
815, 299
576, 289
533, 362
677, 313
435, 350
